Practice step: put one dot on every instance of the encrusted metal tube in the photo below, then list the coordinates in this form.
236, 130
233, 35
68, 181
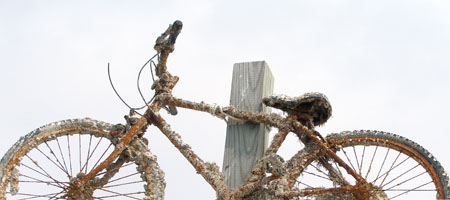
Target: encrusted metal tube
209, 171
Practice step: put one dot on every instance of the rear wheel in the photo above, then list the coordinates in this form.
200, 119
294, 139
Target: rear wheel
396, 168
48, 162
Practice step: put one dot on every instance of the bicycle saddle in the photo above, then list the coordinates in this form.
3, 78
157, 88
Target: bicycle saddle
313, 104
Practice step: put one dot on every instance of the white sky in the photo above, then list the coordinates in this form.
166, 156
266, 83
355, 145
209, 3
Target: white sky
383, 64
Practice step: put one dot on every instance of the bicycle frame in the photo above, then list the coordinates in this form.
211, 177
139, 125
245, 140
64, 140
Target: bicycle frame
314, 147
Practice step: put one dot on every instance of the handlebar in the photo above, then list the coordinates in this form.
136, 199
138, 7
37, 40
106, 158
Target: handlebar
165, 45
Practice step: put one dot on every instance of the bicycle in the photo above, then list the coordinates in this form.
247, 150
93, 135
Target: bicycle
326, 162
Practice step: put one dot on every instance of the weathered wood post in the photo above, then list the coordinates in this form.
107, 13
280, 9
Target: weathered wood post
245, 141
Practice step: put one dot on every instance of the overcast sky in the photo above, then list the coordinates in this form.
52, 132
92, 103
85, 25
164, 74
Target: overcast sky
384, 65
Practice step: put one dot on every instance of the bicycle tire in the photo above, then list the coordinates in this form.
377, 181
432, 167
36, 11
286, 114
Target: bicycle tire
398, 176
44, 163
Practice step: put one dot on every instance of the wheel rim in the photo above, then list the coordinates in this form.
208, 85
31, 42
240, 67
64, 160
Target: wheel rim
392, 167
51, 169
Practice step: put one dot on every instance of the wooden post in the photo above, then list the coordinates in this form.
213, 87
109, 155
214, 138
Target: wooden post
245, 141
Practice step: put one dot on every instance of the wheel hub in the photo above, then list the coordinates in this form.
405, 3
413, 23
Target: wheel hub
363, 190
369, 191
77, 191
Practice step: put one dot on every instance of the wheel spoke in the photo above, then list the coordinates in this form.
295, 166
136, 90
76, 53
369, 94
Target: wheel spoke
371, 161
88, 155
299, 182
34, 196
54, 196
92, 153
54, 155
385, 174
345, 153
123, 177
116, 194
390, 169
315, 167
70, 155
35, 170
122, 184
339, 170
317, 175
400, 175
362, 159
334, 175
51, 152
418, 175
62, 156
123, 166
357, 162
46, 174
79, 149
382, 165
95, 165
35, 180
414, 189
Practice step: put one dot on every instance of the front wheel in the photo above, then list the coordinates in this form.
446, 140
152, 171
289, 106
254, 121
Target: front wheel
396, 167
47, 163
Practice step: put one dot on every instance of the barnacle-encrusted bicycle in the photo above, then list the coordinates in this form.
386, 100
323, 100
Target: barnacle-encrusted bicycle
89, 159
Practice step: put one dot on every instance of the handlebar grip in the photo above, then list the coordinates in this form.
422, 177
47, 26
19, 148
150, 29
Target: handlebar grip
167, 39
176, 29
165, 45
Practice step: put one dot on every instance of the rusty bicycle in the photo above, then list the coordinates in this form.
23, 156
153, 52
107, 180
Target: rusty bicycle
89, 159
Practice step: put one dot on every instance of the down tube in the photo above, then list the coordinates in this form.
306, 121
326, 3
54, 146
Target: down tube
209, 171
